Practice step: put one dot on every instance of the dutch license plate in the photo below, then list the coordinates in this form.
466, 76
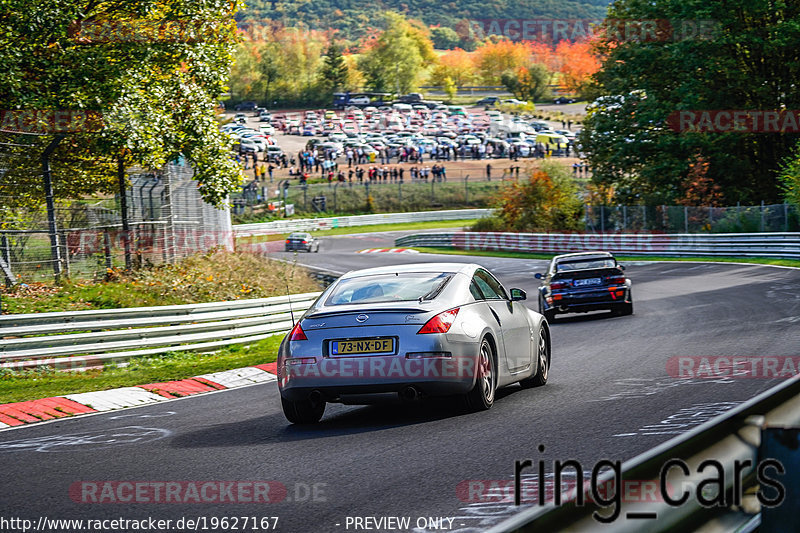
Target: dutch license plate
362, 346
587, 282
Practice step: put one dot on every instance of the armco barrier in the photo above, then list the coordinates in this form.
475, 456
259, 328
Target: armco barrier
732, 439
116, 335
775, 245
312, 224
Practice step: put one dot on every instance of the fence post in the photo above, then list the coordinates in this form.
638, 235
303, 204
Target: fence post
624, 217
644, 217
432, 193
107, 251
55, 250
466, 189
123, 207
65, 247
400, 192
686, 219
762, 215
785, 216
710, 216
602, 219
6, 253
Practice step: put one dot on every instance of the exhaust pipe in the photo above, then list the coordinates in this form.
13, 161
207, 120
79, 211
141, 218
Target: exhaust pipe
315, 397
409, 394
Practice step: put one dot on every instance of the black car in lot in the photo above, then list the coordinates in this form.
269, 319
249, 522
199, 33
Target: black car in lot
582, 282
564, 100
301, 241
489, 101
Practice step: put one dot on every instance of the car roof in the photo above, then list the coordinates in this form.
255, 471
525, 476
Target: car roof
583, 256
464, 268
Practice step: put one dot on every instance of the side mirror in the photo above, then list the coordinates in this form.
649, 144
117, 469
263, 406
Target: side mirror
517, 295
538, 276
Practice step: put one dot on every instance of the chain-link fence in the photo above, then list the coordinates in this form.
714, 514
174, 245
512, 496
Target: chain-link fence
684, 219
166, 220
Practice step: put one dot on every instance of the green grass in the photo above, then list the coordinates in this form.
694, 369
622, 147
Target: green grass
17, 386
621, 258
443, 224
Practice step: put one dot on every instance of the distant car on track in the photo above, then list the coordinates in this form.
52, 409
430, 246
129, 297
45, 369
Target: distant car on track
301, 241
582, 282
416, 330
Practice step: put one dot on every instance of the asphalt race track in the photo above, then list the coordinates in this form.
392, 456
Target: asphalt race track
609, 397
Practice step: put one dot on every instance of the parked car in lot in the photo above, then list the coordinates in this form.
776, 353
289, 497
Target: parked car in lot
489, 101
301, 241
564, 100
428, 329
245, 106
582, 282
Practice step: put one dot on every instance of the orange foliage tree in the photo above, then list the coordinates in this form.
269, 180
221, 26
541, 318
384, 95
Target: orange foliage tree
458, 65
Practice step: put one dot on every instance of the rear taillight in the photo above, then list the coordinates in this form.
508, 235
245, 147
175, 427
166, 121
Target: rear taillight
288, 241
558, 285
305, 242
616, 280
440, 323
297, 333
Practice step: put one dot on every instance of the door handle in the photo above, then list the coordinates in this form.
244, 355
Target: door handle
495, 316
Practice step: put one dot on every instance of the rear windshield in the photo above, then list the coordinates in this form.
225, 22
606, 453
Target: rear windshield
299, 236
585, 264
404, 286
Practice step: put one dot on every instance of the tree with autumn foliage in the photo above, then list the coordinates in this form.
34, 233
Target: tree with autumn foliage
577, 63
547, 200
699, 188
457, 65
493, 59
394, 60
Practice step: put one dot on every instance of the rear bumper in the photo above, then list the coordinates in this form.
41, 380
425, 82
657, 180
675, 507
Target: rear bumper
585, 301
334, 377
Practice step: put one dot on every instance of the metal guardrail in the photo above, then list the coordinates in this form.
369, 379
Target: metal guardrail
775, 245
313, 224
729, 438
116, 335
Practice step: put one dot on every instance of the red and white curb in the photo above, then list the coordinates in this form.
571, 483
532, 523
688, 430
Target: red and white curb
388, 250
30, 412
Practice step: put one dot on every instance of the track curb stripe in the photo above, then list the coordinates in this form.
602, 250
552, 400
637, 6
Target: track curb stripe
17, 414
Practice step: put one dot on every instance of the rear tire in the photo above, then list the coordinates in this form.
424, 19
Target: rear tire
481, 397
543, 363
306, 411
549, 314
625, 309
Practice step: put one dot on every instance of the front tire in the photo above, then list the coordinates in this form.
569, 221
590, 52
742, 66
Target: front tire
542, 362
308, 411
481, 397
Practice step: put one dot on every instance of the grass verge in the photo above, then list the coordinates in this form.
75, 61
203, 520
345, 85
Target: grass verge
622, 258
207, 277
16, 386
410, 226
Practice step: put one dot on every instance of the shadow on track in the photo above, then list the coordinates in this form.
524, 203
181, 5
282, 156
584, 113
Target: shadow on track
339, 420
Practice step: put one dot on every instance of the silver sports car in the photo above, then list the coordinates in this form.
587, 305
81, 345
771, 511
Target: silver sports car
429, 329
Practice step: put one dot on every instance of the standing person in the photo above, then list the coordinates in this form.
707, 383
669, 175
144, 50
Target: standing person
270, 169
488, 171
